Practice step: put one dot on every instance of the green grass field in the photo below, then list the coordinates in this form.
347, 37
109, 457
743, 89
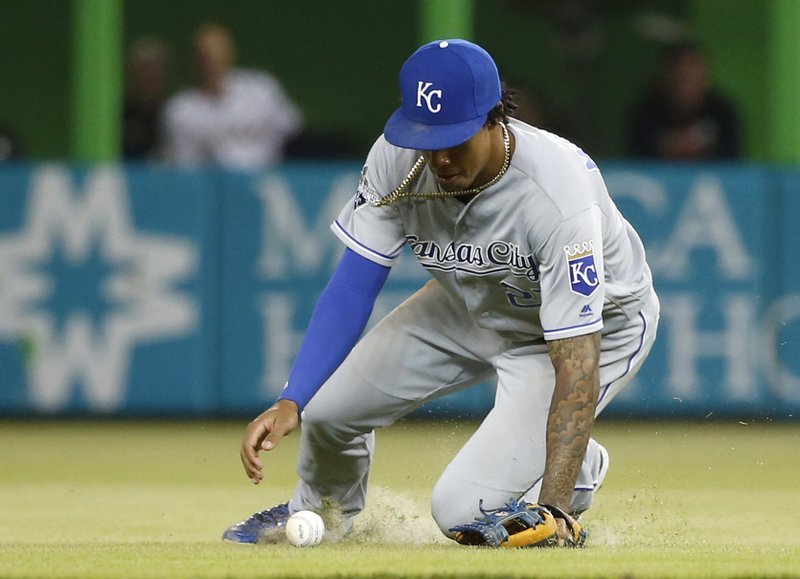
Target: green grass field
150, 499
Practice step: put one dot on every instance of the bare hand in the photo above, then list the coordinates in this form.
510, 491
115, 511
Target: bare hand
569, 531
564, 536
264, 433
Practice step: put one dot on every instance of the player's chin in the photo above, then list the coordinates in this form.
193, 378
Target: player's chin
454, 183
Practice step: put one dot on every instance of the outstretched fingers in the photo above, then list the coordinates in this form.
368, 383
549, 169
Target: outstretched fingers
253, 441
264, 433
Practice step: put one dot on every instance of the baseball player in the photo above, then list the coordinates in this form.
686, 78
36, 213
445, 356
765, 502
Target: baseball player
538, 280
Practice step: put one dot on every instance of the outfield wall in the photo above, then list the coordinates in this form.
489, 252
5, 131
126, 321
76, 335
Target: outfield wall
138, 290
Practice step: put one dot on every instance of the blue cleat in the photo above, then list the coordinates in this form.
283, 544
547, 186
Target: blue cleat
265, 527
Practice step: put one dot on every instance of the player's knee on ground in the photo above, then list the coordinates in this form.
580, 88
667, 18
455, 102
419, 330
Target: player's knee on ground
443, 509
452, 505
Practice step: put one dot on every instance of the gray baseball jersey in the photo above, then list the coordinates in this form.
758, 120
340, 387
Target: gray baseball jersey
542, 253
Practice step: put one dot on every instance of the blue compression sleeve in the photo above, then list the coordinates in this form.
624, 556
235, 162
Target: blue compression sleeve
341, 314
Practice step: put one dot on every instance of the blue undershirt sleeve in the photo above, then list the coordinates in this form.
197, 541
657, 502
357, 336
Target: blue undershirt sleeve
339, 319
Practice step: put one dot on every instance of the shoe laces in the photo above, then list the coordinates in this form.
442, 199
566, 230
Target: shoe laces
274, 515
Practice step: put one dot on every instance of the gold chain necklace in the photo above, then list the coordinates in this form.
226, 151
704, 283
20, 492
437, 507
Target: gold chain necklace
416, 171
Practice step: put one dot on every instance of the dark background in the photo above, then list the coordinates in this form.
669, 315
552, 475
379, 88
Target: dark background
588, 59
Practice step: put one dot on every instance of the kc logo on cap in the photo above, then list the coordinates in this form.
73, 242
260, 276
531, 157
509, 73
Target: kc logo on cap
424, 92
448, 89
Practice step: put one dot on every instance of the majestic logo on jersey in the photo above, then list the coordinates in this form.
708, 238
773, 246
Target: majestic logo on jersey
425, 93
473, 258
582, 269
587, 160
364, 193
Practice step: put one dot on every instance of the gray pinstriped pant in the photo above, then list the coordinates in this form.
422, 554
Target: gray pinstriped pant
429, 347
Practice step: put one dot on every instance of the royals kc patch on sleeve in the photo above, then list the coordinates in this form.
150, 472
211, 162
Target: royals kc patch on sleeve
583, 278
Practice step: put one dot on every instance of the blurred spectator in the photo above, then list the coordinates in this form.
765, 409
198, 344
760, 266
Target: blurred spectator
682, 116
146, 73
10, 149
234, 118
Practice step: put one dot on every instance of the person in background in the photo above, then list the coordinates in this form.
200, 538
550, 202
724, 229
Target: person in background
146, 76
234, 118
682, 116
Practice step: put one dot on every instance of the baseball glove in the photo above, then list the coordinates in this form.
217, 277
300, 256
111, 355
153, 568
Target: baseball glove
519, 524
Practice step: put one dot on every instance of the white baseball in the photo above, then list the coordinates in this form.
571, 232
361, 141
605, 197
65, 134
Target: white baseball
305, 529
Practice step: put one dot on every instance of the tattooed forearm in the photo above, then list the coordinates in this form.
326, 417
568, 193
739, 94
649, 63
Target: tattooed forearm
576, 362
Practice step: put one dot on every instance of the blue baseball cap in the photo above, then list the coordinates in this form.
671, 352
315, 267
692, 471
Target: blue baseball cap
448, 87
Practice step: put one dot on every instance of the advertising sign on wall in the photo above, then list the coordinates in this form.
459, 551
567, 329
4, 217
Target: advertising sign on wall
153, 291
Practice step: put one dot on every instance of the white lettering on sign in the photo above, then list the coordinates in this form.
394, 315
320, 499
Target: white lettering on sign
781, 314
705, 222
646, 191
687, 344
281, 339
289, 243
88, 234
